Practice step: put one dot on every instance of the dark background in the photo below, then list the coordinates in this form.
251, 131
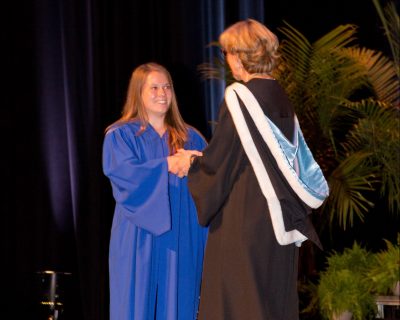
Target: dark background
65, 69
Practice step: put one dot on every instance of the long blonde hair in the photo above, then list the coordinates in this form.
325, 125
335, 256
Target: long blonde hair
255, 45
134, 107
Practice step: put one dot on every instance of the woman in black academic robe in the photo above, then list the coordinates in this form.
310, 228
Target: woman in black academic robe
247, 273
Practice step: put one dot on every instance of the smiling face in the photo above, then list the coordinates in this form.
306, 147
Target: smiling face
156, 95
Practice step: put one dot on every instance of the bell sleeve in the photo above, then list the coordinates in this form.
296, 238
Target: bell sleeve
140, 186
212, 175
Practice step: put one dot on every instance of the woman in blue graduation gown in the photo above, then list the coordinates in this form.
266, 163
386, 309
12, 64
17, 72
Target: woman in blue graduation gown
156, 246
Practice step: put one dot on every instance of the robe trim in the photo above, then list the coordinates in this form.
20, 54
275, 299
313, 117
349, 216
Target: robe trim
282, 236
268, 135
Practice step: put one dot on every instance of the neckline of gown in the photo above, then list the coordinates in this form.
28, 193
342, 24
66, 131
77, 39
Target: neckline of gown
154, 131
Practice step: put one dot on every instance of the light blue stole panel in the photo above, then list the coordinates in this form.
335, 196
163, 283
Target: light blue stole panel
294, 160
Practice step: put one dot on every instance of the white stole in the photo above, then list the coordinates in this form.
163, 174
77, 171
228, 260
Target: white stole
310, 196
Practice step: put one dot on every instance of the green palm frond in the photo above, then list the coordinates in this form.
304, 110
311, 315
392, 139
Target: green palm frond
341, 120
334, 79
348, 184
377, 123
311, 68
340, 37
391, 23
380, 71
218, 69
377, 132
214, 69
296, 52
319, 70
210, 71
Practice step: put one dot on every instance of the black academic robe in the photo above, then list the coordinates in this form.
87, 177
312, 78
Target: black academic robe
247, 274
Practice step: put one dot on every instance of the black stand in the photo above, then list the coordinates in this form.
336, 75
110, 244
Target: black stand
51, 300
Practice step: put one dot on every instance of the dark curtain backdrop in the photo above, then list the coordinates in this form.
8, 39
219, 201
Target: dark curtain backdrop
66, 67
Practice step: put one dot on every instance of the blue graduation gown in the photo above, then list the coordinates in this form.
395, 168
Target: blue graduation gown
156, 246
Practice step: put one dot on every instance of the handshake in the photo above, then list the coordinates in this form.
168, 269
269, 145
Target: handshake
180, 162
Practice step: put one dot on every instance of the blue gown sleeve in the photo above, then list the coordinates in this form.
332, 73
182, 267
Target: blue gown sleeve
196, 140
140, 186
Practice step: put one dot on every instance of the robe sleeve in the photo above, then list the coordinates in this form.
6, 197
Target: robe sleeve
211, 176
140, 187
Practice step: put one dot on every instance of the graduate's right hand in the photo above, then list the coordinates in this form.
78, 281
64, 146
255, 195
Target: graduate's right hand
178, 164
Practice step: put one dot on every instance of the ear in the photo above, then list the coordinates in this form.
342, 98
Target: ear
238, 62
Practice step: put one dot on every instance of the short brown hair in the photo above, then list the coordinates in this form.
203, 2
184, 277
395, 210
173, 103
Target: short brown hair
254, 44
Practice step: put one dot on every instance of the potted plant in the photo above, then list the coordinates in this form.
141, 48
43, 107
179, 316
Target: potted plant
384, 272
343, 291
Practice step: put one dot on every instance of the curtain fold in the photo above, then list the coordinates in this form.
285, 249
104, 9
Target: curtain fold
81, 55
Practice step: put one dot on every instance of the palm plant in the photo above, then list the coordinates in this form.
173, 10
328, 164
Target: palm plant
356, 142
347, 101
